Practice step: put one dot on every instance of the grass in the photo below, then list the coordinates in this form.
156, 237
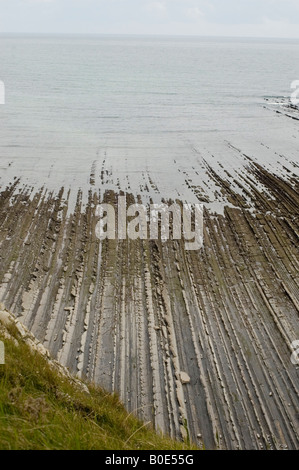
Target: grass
41, 410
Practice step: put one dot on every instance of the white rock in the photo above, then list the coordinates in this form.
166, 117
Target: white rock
185, 379
21, 329
30, 343
5, 317
42, 350
183, 432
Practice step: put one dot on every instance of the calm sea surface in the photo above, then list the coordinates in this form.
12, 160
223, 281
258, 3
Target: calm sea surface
140, 104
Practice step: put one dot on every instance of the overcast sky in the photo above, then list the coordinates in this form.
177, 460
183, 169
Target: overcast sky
258, 18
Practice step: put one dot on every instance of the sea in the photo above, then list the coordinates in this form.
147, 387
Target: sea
143, 113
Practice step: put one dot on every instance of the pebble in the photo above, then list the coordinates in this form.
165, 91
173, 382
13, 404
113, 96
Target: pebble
185, 379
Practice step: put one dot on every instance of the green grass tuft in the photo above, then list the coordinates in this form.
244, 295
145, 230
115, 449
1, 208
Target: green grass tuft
40, 409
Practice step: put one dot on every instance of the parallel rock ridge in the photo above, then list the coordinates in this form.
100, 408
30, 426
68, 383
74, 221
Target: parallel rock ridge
199, 342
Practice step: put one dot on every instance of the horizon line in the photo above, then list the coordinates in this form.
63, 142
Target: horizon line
149, 35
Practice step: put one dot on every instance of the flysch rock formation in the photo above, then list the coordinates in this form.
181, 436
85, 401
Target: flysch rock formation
199, 342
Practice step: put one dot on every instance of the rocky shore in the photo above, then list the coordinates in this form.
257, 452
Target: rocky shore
199, 342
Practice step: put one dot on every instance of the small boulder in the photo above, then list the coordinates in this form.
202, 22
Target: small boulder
185, 379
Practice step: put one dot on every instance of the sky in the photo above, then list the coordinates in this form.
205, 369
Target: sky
246, 18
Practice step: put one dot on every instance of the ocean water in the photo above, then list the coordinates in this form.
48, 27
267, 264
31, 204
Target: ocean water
141, 108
